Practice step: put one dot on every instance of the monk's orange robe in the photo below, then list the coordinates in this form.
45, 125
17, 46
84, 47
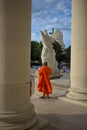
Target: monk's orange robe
44, 84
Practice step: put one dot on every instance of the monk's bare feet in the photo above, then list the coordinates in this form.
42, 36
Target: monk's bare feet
42, 97
47, 96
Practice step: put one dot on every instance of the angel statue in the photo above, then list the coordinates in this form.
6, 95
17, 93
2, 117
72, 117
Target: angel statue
48, 53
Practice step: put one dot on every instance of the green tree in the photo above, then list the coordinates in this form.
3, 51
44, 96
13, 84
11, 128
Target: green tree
36, 49
59, 52
39, 52
68, 54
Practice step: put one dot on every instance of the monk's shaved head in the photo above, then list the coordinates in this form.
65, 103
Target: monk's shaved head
45, 63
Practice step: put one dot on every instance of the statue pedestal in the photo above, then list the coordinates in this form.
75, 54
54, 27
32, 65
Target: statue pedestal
55, 74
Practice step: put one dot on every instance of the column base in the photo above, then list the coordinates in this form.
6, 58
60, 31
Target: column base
28, 125
77, 96
41, 123
77, 102
15, 124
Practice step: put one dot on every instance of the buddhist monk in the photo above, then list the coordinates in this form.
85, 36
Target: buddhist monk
44, 84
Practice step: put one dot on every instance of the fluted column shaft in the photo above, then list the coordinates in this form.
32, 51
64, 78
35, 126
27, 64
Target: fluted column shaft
16, 111
78, 89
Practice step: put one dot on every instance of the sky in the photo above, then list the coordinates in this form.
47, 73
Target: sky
48, 14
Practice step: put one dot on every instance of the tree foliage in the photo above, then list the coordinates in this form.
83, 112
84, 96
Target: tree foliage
36, 49
68, 54
59, 51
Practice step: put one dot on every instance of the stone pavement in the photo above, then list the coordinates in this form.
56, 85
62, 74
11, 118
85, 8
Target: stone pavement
61, 112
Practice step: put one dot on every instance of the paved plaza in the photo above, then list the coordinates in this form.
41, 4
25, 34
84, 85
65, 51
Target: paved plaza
59, 111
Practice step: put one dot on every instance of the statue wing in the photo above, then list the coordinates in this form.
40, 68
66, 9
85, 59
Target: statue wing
45, 38
58, 36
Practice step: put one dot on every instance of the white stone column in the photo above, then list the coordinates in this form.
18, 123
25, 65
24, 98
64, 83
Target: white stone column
16, 111
78, 89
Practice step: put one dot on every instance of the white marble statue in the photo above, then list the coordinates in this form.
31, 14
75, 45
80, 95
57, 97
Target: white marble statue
48, 53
